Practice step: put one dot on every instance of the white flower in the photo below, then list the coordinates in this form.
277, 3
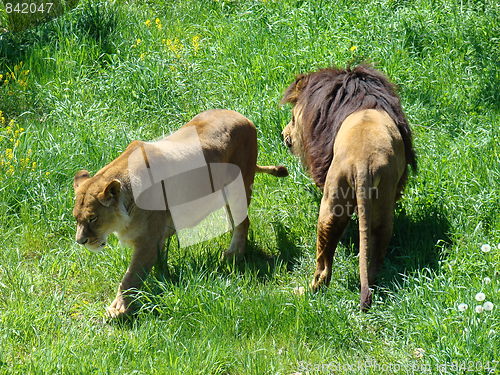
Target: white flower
419, 353
486, 280
485, 248
488, 306
479, 309
480, 297
300, 290
463, 307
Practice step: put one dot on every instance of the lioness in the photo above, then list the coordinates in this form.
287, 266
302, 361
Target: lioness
351, 135
105, 202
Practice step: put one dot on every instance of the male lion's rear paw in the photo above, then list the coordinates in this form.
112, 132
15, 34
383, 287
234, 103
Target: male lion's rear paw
119, 308
320, 279
365, 299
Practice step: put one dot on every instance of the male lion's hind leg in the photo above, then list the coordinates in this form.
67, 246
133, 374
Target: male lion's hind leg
381, 233
238, 241
332, 221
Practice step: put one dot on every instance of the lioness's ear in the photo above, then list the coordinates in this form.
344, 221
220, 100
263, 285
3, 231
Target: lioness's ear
110, 193
80, 176
293, 91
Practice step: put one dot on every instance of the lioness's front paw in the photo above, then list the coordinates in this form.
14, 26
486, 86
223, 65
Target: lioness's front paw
118, 308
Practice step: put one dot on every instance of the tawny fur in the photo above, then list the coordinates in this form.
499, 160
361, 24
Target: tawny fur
104, 203
350, 133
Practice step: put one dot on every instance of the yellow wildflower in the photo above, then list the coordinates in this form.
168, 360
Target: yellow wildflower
33, 166
195, 41
11, 170
175, 46
158, 24
17, 143
21, 130
12, 122
353, 48
47, 173
148, 23
138, 41
142, 56
1, 76
9, 153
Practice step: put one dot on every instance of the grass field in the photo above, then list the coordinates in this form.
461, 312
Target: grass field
78, 89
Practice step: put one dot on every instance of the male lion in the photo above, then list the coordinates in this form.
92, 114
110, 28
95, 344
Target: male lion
350, 132
106, 202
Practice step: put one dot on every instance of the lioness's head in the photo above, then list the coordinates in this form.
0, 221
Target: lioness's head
97, 209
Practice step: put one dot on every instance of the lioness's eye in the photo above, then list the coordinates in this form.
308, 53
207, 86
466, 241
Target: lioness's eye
92, 219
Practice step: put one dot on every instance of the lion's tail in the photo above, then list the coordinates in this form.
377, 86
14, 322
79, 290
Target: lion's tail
363, 186
275, 170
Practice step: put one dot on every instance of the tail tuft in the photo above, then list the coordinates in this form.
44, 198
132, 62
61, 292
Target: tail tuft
277, 171
281, 171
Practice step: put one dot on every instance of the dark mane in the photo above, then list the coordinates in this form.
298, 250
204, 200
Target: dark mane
328, 96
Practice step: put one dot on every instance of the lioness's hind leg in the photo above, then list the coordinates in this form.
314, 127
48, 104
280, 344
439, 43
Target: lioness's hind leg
240, 232
239, 239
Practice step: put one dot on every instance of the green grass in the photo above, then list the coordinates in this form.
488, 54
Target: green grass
92, 88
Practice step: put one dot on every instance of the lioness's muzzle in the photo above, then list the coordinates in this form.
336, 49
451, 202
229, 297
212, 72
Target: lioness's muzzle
82, 241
